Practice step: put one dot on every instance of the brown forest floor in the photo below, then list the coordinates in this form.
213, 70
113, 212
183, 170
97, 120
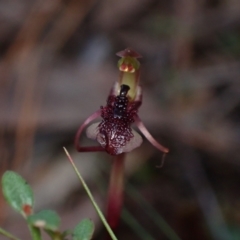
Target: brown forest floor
57, 65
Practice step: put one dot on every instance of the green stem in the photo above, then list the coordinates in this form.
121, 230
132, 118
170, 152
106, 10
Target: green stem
7, 234
100, 214
35, 232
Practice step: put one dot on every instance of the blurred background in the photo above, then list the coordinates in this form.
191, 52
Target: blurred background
57, 65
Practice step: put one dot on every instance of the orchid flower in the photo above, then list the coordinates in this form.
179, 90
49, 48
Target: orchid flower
114, 132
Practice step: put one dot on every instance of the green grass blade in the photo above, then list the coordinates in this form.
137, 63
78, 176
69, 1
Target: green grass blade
7, 234
100, 214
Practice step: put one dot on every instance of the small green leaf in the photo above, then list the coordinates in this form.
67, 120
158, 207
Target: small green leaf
17, 193
84, 230
46, 219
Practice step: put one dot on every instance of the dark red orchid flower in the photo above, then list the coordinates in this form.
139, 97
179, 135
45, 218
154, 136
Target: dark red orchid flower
114, 132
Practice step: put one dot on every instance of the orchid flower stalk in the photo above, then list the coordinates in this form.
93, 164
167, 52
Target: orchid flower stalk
114, 133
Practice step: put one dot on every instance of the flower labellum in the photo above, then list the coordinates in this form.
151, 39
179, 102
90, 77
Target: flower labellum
114, 132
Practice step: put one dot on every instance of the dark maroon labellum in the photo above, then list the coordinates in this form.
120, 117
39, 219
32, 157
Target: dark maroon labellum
114, 129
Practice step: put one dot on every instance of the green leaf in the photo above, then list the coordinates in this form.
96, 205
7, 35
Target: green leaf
46, 219
17, 193
84, 230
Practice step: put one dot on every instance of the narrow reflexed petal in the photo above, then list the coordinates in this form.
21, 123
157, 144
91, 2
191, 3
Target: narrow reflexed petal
147, 134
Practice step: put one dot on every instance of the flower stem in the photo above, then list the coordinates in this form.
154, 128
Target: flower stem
35, 232
115, 194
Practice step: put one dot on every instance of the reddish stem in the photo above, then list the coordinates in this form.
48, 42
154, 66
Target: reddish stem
115, 194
